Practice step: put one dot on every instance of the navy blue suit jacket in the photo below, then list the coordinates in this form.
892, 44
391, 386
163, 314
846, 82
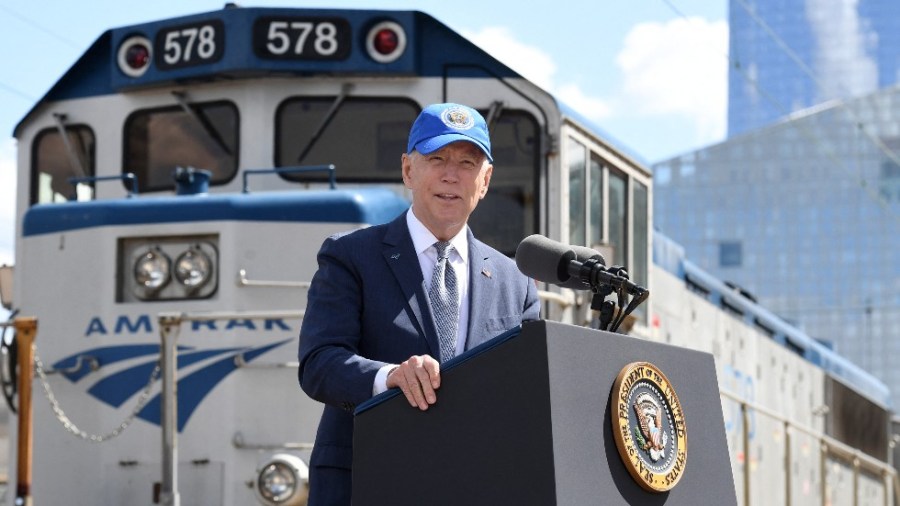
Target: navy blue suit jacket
368, 307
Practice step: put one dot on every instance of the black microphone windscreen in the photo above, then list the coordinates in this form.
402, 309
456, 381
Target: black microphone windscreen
582, 254
544, 259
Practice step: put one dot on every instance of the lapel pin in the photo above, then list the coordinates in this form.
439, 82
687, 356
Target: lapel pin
395, 256
486, 272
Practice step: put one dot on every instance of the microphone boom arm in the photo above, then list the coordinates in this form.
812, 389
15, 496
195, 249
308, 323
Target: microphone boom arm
603, 282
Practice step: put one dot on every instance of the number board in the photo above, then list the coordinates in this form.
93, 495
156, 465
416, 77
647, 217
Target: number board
301, 38
189, 45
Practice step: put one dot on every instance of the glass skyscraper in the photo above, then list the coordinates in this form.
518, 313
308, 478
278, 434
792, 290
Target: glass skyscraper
805, 215
788, 55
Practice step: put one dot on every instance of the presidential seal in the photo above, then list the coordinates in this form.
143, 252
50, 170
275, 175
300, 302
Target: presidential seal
458, 118
648, 426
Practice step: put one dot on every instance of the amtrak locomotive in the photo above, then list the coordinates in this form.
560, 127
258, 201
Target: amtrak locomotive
176, 183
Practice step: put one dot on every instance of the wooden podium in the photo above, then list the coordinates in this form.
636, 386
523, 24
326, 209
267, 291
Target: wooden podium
525, 419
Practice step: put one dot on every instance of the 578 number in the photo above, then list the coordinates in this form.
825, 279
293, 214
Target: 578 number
188, 45
180, 45
301, 38
282, 33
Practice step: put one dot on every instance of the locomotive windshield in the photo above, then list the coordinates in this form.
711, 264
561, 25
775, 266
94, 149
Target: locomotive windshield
56, 159
203, 136
364, 137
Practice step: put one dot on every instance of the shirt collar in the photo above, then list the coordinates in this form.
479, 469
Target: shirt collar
423, 238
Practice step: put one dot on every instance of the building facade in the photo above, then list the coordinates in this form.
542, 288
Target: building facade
805, 215
788, 55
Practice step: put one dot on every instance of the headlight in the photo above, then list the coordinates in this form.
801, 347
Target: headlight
151, 270
192, 268
147, 273
282, 480
277, 482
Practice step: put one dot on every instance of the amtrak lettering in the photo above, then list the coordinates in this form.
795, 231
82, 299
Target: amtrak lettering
144, 324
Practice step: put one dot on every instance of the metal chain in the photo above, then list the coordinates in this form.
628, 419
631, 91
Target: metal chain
71, 427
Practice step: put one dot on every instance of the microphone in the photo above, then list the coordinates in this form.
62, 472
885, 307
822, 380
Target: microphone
546, 260
580, 268
582, 254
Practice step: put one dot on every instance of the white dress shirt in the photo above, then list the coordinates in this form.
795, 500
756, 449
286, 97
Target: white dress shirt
423, 242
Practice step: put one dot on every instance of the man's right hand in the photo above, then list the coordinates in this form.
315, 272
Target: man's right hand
418, 378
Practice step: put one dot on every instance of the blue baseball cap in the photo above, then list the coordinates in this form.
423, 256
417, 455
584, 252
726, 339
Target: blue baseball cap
441, 124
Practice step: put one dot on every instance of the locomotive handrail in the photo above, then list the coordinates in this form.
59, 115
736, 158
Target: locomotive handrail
564, 300
896, 481
332, 181
176, 319
828, 445
244, 281
241, 362
169, 327
92, 361
239, 443
128, 176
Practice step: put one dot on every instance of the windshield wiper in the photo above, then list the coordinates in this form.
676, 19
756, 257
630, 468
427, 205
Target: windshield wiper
493, 113
332, 112
74, 159
201, 118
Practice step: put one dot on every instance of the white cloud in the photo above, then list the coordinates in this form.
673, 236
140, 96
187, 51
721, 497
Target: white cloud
673, 72
678, 68
538, 67
7, 199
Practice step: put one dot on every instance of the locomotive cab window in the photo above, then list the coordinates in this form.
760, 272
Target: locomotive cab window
609, 205
509, 212
362, 137
201, 135
577, 214
56, 159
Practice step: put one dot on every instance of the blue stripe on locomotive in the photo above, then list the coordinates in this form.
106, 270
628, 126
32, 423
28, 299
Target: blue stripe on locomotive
670, 256
365, 206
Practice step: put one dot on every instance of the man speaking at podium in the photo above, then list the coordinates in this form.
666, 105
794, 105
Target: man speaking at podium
390, 303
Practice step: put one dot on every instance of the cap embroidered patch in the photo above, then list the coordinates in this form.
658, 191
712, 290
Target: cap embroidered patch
458, 118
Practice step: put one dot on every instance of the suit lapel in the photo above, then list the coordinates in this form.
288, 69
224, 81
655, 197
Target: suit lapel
400, 255
481, 291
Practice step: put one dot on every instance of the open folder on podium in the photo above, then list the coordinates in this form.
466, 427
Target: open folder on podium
552, 415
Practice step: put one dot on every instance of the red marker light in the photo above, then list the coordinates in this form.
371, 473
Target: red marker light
137, 56
386, 42
134, 55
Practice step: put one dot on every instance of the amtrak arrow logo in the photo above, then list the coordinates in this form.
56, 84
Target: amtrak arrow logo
116, 388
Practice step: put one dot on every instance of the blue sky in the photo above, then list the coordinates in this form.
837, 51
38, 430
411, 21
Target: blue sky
652, 73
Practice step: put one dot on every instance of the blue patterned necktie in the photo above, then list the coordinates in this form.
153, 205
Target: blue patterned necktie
444, 297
